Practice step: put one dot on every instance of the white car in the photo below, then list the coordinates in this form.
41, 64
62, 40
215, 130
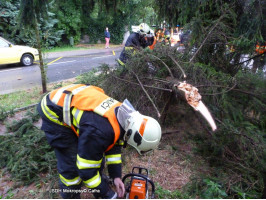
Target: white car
10, 53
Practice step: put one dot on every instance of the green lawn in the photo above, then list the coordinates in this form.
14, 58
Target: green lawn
20, 99
25, 98
79, 47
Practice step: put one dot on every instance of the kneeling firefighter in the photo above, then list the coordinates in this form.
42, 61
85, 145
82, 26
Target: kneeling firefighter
141, 39
87, 128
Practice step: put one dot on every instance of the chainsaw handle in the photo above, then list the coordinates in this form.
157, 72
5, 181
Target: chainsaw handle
141, 169
144, 177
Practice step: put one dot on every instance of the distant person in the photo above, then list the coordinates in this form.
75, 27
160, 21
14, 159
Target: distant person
176, 30
167, 36
107, 37
260, 59
175, 36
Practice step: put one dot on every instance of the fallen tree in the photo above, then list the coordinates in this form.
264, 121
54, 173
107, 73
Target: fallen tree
237, 149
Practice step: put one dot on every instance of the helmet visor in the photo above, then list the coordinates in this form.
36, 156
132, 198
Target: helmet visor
124, 113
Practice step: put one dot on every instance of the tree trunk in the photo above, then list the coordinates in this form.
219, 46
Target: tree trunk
42, 66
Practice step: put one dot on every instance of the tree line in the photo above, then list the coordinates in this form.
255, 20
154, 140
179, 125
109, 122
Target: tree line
59, 21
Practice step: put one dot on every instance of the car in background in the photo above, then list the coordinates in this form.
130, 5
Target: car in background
10, 53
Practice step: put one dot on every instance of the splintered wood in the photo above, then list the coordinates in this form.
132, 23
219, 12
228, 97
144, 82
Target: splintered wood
191, 93
193, 98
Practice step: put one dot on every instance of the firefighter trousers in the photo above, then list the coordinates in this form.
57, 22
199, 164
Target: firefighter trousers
69, 181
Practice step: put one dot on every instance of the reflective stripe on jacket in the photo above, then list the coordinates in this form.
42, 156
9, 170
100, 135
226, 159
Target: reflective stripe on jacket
83, 98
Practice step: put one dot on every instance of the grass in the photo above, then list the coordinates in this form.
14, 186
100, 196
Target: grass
25, 98
79, 47
64, 48
20, 99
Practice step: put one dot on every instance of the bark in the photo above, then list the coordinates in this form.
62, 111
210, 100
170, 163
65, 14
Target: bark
42, 66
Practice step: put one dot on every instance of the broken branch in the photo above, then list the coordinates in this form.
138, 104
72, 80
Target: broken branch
141, 85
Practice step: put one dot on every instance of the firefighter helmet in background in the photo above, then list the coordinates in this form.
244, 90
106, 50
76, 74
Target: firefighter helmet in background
144, 29
142, 132
151, 33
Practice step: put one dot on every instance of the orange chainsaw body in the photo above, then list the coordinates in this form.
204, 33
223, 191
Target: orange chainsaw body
138, 186
138, 189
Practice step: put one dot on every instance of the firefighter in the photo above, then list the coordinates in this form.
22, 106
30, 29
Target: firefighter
135, 41
260, 48
159, 35
260, 60
87, 128
152, 41
167, 36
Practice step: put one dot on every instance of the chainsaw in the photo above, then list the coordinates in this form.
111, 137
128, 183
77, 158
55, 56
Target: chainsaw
138, 186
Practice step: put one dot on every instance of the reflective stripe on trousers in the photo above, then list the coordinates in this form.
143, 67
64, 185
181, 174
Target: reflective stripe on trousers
94, 181
120, 62
86, 164
70, 182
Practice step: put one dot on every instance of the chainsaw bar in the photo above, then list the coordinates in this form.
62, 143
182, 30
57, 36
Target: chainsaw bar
193, 98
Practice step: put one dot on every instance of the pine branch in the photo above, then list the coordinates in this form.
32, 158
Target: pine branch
204, 41
158, 113
147, 86
258, 55
178, 66
170, 72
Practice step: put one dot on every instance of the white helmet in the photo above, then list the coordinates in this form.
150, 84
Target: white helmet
144, 29
151, 34
142, 132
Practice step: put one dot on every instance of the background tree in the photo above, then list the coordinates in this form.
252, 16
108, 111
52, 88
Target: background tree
10, 29
8, 14
30, 13
92, 16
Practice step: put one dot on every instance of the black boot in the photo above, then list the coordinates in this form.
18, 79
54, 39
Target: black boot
69, 192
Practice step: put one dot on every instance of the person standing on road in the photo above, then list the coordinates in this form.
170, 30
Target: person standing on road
107, 37
87, 128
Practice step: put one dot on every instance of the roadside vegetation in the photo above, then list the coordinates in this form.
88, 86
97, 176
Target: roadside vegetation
79, 47
22, 99
191, 161
235, 154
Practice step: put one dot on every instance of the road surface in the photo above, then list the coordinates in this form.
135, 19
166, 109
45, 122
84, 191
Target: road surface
61, 66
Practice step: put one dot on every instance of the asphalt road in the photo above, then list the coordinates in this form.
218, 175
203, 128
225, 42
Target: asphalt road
61, 66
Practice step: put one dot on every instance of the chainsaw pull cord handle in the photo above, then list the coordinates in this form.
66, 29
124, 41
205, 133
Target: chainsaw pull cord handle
144, 177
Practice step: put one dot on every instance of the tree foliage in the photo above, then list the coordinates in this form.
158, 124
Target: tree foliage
10, 29
31, 12
8, 14
28, 152
218, 26
117, 15
236, 151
